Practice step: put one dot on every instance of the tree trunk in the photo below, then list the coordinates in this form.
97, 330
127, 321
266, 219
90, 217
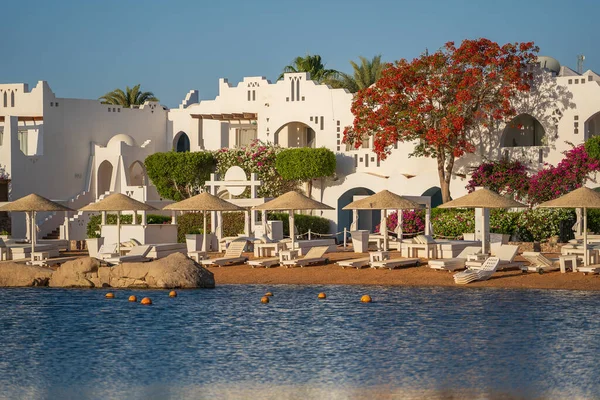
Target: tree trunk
445, 168
309, 186
445, 186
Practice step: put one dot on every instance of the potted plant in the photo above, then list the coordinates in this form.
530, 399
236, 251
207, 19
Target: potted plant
93, 243
4, 235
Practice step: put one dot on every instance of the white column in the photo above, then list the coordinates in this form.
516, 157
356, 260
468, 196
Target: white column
174, 218
103, 218
144, 218
428, 220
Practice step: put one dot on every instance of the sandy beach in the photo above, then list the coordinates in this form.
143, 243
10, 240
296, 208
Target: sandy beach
332, 274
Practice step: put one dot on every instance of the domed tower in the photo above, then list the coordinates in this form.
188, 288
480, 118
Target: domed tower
549, 64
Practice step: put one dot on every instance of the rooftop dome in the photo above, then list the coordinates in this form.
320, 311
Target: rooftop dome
128, 140
549, 63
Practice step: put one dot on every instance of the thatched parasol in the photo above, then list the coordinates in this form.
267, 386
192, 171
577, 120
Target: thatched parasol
118, 202
203, 202
384, 200
579, 198
290, 202
483, 198
31, 204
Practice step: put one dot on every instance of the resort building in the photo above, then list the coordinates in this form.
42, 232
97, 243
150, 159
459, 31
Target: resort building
80, 150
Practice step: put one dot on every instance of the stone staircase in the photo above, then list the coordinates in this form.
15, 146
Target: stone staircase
78, 223
51, 222
54, 235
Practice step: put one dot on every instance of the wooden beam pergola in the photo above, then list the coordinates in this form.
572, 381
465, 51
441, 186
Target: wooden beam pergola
243, 116
25, 119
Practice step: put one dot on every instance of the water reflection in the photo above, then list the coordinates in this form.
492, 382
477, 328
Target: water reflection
409, 343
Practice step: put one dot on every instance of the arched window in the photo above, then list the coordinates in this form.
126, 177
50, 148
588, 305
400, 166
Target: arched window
12, 99
592, 126
295, 134
104, 179
523, 130
181, 142
137, 174
5, 99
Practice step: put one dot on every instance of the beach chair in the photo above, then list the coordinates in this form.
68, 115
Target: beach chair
506, 254
458, 262
484, 273
267, 262
357, 263
539, 262
233, 255
395, 263
107, 251
420, 242
314, 256
589, 269
137, 254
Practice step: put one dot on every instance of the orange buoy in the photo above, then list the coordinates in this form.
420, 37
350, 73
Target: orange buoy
146, 301
109, 295
269, 294
132, 298
322, 295
366, 299
172, 293
264, 299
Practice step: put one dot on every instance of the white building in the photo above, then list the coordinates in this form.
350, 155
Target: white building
81, 149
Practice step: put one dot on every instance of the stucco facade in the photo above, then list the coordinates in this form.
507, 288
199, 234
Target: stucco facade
79, 150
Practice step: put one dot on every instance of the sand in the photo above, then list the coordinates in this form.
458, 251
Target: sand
333, 274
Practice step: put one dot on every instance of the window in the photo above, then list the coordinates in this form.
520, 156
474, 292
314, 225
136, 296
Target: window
56, 104
51, 104
576, 80
108, 109
12, 99
576, 124
248, 95
576, 118
1, 137
22, 136
576, 131
590, 78
583, 81
254, 95
570, 81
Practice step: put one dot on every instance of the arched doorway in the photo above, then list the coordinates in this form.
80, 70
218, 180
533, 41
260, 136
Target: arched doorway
592, 126
436, 196
181, 142
104, 177
367, 219
523, 130
137, 174
295, 134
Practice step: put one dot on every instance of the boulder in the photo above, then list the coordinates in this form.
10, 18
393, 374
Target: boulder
174, 271
19, 275
82, 272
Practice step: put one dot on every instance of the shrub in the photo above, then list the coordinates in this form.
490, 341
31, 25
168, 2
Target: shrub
452, 223
193, 223
542, 223
178, 176
233, 223
302, 222
260, 158
593, 220
305, 164
592, 147
504, 177
413, 221
503, 221
93, 226
155, 219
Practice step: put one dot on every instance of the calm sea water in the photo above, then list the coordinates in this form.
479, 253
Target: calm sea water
223, 343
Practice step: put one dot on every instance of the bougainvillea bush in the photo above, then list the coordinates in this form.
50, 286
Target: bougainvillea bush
260, 158
504, 177
413, 221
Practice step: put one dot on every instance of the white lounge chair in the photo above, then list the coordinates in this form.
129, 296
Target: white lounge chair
107, 251
506, 254
484, 273
233, 255
267, 262
357, 263
314, 256
421, 242
589, 269
539, 262
395, 263
137, 254
458, 262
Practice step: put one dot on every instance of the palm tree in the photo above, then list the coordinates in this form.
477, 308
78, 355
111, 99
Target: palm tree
130, 97
364, 75
313, 65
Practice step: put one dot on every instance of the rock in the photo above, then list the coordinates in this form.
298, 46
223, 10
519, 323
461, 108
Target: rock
173, 271
82, 272
19, 275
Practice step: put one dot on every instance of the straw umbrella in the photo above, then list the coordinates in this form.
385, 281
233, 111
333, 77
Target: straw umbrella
203, 202
31, 204
579, 198
384, 200
483, 198
292, 201
118, 202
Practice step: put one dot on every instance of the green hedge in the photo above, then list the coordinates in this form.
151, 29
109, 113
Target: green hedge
93, 226
449, 223
302, 222
192, 223
305, 163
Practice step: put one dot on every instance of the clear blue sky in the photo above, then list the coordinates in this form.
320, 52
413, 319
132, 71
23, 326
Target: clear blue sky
87, 48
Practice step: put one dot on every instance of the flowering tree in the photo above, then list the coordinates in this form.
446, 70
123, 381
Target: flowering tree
504, 177
257, 157
438, 98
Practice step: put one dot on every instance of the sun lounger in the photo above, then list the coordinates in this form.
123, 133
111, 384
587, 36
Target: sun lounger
539, 262
589, 269
137, 254
420, 242
395, 263
263, 262
357, 263
506, 254
314, 256
458, 262
107, 251
233, 255
484, 273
